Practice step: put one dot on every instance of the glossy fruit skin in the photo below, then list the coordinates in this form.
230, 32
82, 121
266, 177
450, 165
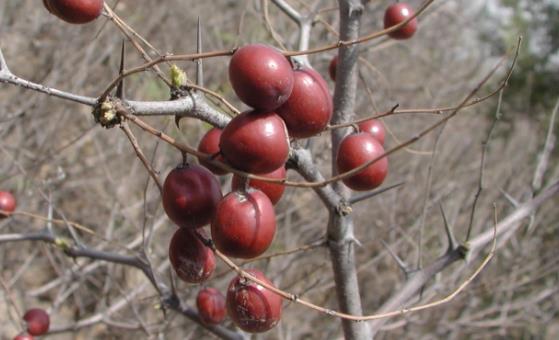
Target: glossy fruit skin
261, 76
210, 144
272, 190
75, 11
191, 259
244, 224
7, 203
38, 321
397, 13
252, 307
190, 195
357, 149
255, 142
309, 107
375, 127
211, 306
332, 68
23, 336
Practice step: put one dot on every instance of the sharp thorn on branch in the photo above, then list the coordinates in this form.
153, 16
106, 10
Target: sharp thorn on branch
509, 198
120, 86
401, 264
367, 195
452, 244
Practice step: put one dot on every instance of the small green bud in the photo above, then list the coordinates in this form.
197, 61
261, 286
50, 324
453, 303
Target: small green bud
178, 76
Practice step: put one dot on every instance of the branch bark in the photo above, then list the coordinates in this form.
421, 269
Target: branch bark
340, 227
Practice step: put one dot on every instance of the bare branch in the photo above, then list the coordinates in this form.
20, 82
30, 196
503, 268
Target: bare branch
546, 151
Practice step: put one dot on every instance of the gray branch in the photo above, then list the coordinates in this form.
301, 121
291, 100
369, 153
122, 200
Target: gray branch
341, 240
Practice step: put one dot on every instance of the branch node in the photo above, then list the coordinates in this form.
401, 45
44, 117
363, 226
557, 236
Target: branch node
344, 208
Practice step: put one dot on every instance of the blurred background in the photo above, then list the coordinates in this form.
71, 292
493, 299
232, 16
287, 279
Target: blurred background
53, 156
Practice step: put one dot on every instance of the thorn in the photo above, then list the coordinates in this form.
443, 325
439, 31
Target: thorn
120, 87
403, 266
509, 198
199, 63
367, 195
449, 234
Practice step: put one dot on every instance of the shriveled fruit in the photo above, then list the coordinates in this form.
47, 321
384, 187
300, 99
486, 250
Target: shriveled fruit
191, 259
37, 320
375, 128
309, 107
211, 306
261, 76
75, 11
274, 191
397, 13
358, 149
256, 142
244, 224
7, 203
210, 144
190, 195
252, 307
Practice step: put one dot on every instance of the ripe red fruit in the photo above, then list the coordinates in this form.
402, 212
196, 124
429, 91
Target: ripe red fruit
274, 191
210, 144
309, 107
261, 76
211, 306
7, 203
38, 321
375, 128
190, 195
24, 336
75, 11
332, 68
396, 14
192, 260
355, 150
252, 307
255, 142
244, 224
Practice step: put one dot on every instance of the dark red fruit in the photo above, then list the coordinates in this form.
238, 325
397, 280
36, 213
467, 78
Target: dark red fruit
355, 150
396, 14
38, 321
211, 306
309, 108
24, 336
255, 142
375, 128
244, 224
7, 203
210, 144
75, 11
274, 191
261, 76
192, 260
332, 68
190, 195
252, 307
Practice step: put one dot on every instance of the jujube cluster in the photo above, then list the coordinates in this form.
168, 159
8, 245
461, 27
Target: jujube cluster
285, 102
